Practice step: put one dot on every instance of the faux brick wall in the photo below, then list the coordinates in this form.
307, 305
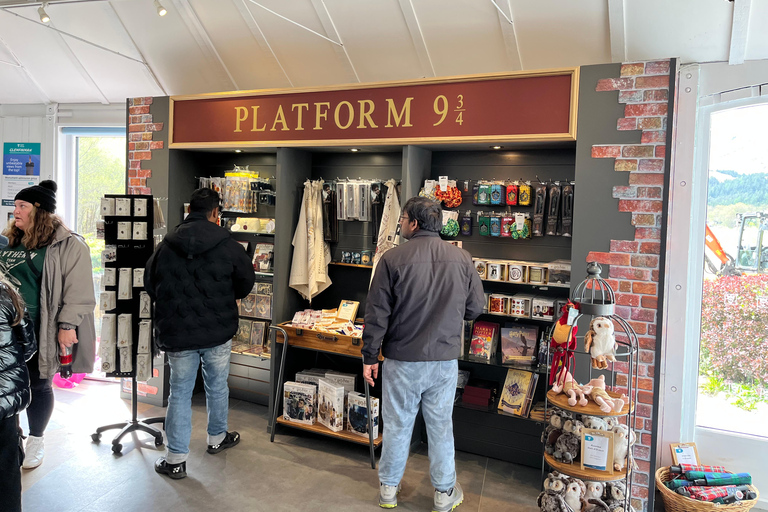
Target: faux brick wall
141, 143
634, 264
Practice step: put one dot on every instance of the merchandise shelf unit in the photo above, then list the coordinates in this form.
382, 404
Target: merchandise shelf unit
249, 376
504, 436
595, 298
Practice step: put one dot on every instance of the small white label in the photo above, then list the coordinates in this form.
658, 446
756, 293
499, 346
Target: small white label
595, 454
572, 314
686, 455
520, 221
443, 180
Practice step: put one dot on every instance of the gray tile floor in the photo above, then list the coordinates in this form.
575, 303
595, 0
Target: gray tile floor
297, 472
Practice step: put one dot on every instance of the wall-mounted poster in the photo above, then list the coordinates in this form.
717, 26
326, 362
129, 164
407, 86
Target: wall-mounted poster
21, 159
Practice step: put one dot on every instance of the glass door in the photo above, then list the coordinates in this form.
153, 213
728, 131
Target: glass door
732, 400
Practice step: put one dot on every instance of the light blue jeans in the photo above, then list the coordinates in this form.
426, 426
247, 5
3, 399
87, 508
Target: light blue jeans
178, 417
406, 384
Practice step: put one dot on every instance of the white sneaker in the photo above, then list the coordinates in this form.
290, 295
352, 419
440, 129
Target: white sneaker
449, 500
33, 452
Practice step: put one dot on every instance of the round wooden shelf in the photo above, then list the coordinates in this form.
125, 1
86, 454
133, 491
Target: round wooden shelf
594, 475
592, 409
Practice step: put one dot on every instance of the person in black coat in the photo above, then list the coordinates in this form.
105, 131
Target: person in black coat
17, 346
194, 279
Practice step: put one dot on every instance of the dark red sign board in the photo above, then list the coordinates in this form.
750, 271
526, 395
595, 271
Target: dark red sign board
538, 107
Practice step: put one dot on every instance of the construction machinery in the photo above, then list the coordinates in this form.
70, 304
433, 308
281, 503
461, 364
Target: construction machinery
751, 251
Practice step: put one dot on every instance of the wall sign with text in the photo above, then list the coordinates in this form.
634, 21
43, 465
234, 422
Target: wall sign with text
495, 108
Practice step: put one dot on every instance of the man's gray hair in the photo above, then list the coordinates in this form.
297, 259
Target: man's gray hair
427, 213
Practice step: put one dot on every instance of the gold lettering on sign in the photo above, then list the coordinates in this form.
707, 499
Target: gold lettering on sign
405, 112
241, 114
350, 115
321, 114
300, 113
255, 128
366, 113
280, 118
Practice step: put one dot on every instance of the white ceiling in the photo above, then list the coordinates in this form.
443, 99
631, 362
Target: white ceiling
105, 51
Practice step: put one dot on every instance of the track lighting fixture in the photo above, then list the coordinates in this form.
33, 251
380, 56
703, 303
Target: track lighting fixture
43, 15
161, 11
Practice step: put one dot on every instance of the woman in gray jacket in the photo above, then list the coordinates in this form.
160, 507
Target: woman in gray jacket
51, 266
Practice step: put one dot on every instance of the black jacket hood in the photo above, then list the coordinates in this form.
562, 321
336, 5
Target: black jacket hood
196, 236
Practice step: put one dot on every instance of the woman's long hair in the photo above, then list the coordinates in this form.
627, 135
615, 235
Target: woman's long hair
16, 300
40, 233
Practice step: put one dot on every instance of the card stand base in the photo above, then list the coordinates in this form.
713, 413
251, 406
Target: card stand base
132, 425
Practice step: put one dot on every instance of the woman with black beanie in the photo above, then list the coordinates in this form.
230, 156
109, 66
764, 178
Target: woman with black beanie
51, 266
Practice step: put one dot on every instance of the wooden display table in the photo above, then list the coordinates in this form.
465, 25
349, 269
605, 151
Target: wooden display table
322, 342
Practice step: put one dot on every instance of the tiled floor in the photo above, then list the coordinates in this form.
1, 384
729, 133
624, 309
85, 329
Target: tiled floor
297, 472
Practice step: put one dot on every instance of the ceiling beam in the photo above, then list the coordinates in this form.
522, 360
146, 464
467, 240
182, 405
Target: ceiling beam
147, 67
259, 36
198, 32
330, 28
617, 27
507, 24
254, 2
31, 79
417, 36
67, 49
739, 30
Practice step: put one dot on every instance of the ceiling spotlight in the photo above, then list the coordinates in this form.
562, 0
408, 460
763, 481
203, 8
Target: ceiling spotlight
43, 15
354, 150
496, 147
238, 151
161, 11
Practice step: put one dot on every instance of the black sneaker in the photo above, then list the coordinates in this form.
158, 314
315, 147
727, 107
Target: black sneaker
175, 471
230, 440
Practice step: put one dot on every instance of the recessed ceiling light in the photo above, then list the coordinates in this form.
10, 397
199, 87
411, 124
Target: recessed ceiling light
496, 147
354, 150
238, 151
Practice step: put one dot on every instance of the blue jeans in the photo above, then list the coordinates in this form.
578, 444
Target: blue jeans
406, 384
178, 418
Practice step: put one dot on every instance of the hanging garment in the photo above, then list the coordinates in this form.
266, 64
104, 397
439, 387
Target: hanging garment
311, 254
389, 236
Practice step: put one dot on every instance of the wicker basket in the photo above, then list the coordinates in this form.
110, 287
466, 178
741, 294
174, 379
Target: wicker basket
674, 502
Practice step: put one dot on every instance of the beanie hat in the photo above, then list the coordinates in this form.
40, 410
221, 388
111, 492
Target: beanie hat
43, 196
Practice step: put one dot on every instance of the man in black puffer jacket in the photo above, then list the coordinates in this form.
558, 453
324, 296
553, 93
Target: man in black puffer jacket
194, 278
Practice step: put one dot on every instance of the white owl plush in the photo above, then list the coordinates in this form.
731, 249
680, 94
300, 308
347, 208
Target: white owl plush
600, 342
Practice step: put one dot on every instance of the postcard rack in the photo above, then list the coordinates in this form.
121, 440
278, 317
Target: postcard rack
337, 344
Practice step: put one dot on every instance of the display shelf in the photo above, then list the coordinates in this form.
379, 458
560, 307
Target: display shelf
524, 318
264, 274
594, 475
496, 361
492, 410
560, 400
321, 429
542, 287
252, 233
351, 265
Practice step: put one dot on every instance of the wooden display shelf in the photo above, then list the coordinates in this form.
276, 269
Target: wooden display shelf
592, 409
321, 429
357, 265
533, 285
594, 475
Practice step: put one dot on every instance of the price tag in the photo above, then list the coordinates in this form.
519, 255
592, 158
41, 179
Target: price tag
520, 221
443, 182
684, 453
572, 314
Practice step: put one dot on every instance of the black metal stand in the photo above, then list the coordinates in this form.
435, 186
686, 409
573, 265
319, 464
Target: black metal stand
131, 425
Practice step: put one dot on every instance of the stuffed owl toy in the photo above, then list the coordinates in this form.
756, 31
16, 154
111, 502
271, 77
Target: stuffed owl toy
568, 445
553, 431
594, 422
616, 492
594, 490
574, 494
600, 342
555, 482
550, 501
623, 439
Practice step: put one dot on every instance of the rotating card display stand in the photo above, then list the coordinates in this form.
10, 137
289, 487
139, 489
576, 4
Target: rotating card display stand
594, 297
128, 224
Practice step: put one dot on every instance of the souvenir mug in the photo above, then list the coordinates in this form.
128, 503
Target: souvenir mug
481, 268
498, 304
537, 275
516, 273
495, 271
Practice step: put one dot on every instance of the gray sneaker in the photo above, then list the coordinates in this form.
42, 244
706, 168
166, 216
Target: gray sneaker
449, 500
388, 495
